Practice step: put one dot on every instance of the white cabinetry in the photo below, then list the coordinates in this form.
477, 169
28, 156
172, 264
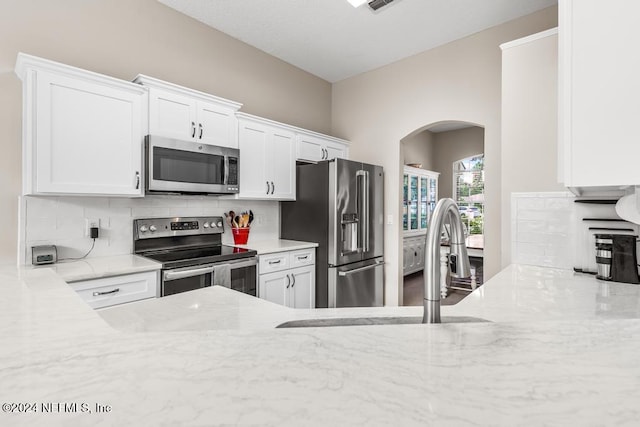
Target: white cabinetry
314, 147
187, 114
267, 159
413, 254
82, 132
288, 278
599, 89
108, 291
419, 197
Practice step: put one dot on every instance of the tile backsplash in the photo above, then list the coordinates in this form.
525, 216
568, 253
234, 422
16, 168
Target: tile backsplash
60, 221
543, 229
552, 230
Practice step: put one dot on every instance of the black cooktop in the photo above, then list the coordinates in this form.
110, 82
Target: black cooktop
175, 258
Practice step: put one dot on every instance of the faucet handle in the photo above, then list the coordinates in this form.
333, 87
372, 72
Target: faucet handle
459, 261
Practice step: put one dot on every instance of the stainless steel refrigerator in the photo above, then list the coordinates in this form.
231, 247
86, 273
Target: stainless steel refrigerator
339, 205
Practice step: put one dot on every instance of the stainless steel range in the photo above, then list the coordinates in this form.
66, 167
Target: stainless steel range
192, 254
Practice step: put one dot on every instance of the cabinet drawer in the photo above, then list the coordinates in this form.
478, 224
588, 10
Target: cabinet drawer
274, 262
110, 291
303, 257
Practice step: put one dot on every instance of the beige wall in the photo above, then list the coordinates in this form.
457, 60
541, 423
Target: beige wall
418, 148
452, 146
122, 38
459, 81
529, 124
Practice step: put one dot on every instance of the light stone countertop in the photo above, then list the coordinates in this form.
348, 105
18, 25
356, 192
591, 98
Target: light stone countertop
563, 351
98, 267
264, 247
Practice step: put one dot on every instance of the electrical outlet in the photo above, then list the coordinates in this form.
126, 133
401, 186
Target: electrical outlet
89, 223
389, 219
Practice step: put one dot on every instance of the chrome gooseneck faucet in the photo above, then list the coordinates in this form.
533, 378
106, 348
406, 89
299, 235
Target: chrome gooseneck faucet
458, 258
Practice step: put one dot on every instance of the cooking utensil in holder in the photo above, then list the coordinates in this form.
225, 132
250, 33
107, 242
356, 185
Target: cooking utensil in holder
240, 235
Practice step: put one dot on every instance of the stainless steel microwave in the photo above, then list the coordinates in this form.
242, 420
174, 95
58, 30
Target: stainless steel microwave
189, 167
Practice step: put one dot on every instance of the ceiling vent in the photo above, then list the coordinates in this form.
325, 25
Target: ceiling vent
377, 4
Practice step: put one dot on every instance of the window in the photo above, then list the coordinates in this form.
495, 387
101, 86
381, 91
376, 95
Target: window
468, 184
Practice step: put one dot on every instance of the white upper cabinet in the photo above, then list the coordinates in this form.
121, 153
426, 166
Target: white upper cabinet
315, 147
186, 114
82, 131
599, 65
267, 159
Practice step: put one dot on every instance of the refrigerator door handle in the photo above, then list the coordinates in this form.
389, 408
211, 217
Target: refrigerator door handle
363, 201
357, 270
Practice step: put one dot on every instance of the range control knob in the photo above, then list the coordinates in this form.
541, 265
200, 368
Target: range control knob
219, 223
143, 229
206, 225
152, 228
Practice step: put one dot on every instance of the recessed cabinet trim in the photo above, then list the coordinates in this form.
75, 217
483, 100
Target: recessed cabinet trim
288, 278
82, 131
267, 159
110, 291
315, 147
187, 114
598, 95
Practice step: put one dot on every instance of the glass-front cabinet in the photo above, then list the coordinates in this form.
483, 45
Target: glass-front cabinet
419, 197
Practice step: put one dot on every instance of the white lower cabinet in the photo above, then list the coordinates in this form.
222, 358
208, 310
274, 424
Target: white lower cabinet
108, 291
413, 254
288, 278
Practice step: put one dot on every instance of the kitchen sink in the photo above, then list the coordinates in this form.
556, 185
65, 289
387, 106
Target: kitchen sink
365, 321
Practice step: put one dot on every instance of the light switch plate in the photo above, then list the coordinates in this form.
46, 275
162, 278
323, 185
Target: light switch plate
389, 219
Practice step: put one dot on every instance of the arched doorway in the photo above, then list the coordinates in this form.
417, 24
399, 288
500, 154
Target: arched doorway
434, 158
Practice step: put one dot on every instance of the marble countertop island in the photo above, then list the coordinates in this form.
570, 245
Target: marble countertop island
562, 349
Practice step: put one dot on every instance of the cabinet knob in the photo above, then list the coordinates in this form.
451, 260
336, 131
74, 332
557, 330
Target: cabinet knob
288, 281
201, 130
193, 130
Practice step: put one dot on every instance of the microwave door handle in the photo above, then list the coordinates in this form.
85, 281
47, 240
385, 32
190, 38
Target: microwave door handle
226, 170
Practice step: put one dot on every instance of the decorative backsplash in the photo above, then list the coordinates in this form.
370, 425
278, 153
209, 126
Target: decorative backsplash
543, 229
552, 230
60, 221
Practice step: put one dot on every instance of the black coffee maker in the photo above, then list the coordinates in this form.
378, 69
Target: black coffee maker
616, 258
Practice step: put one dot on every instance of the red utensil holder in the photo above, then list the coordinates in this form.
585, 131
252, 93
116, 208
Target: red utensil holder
240, 235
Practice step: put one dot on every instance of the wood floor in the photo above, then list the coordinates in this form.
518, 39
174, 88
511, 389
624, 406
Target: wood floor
414, 291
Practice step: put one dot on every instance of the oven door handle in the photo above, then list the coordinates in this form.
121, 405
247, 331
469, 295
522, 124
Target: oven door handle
183, 274
241, 263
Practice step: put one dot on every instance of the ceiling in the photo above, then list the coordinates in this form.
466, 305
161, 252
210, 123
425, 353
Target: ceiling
333, 40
